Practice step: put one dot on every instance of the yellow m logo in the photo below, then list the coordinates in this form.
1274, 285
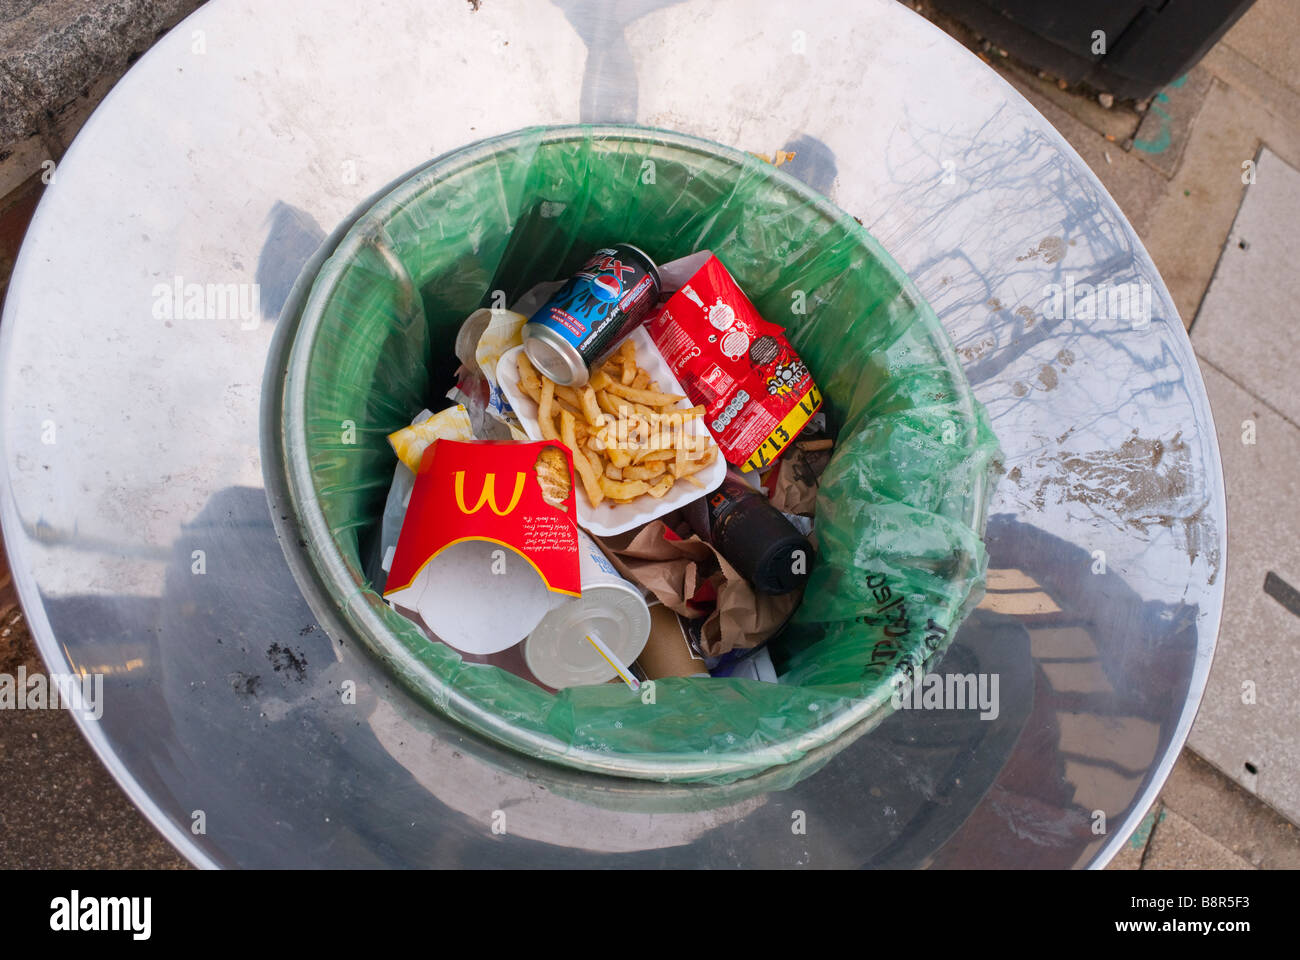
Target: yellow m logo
488, 494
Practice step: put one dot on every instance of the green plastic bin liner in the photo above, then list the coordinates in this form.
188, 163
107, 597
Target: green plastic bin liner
901, 509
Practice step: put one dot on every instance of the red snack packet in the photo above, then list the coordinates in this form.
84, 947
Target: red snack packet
756, 392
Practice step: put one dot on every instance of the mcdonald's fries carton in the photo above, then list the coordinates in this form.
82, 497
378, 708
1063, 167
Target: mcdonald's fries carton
489, 543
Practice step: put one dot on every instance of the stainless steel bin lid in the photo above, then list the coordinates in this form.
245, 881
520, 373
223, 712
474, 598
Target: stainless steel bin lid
146, 547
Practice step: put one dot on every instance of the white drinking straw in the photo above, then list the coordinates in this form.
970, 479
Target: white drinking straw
614, 661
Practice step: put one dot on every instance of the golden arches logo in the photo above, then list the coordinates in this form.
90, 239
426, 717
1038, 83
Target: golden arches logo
488, 494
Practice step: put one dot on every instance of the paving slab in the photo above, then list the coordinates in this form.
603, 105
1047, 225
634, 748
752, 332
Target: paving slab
1242, 74
1247, 322
1177, 845
53, 50
1187, 230
1168, 123
1130, 855
1250, 713
1216, 806
1266, 34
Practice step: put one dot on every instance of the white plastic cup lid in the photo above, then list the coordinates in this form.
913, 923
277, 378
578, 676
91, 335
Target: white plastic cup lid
558, 651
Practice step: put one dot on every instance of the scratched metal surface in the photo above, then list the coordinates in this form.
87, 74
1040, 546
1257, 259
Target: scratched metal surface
132, 438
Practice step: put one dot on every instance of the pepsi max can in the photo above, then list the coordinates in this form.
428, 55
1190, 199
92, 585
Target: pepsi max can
595, 309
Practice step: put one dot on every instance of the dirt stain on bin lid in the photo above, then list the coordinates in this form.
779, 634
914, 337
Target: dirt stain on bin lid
248, 684
289, 661
970, 354
1050, 249
1142, 484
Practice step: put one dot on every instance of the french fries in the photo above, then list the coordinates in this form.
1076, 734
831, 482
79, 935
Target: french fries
590, 481
693, 466
651, 398
627, 353
618, 457
628, 438
607, 403
591, 409
544, 410
623, 489
530, 381
663, 485
635, 472
569, 396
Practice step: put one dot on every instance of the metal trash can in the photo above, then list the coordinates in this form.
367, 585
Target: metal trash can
901, 508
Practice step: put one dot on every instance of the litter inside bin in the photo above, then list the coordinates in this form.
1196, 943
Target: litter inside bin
899, 508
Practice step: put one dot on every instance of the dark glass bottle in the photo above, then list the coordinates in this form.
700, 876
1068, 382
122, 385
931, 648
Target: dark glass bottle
754, 536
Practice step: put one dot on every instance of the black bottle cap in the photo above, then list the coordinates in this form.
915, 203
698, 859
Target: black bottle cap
775, 573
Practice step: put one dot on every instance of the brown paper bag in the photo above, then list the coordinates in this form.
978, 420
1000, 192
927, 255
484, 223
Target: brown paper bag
798, 471
674, 569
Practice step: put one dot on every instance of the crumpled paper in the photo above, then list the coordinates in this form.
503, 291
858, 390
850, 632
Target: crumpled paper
797, 472
690, 577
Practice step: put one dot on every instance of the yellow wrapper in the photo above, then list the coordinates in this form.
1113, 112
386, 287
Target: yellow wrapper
503, 331
409, 443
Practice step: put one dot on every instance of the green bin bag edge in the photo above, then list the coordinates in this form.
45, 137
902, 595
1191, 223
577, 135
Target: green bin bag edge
901, 507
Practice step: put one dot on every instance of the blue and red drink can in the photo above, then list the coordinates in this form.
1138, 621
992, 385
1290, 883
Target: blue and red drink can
611, 294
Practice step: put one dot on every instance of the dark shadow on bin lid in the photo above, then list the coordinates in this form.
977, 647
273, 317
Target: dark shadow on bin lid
916, 778
813, 163
293, 237
930, 769
609, 87
260, 715
261, 721
1096, 723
